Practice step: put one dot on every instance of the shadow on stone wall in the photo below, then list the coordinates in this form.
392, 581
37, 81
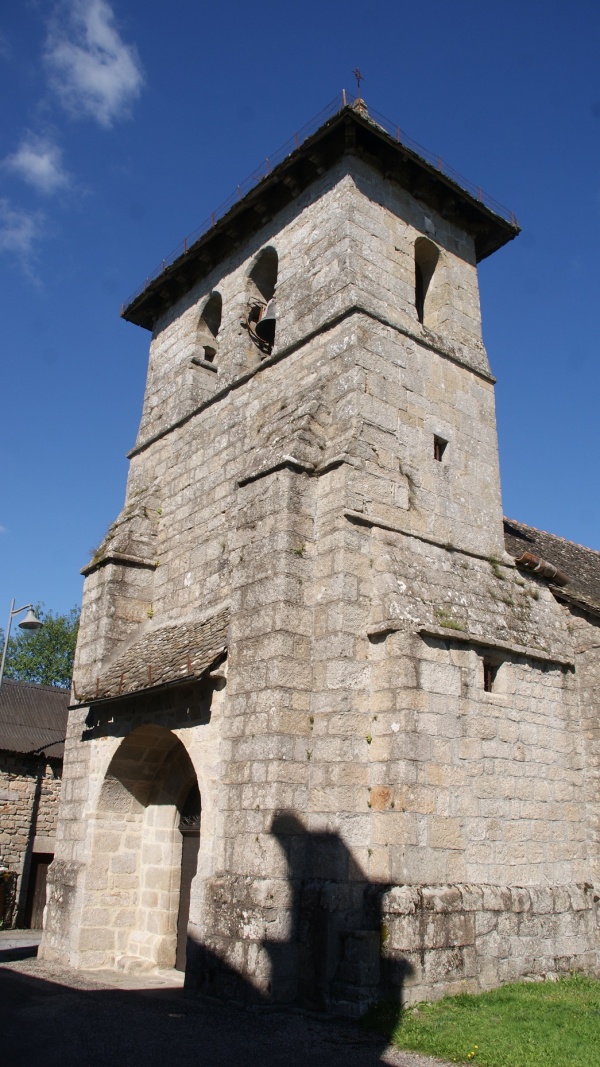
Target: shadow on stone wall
184, 705
331, 960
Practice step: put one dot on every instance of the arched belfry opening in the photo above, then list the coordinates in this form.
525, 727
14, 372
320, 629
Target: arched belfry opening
261, 309
146, 844
209, 325
426, 260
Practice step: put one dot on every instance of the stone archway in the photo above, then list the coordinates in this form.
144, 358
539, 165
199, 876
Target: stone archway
135, 877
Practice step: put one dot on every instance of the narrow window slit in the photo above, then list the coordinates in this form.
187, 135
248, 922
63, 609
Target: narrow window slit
439, 447
490, 670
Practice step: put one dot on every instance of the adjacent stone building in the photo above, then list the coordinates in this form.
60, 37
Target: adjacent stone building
327, 730
33, 724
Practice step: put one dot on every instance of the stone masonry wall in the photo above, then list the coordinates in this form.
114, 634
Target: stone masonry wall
322, 242
29, 799
587, 645
466, 938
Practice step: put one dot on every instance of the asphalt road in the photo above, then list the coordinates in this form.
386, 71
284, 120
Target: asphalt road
53, 1017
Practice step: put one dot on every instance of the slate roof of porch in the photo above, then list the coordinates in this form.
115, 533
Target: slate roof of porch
166, 655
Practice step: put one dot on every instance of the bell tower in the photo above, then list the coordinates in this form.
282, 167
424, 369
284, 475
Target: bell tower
292, 614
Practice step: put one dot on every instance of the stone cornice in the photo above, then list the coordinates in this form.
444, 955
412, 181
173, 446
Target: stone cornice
429, 342
359, 518
120, 558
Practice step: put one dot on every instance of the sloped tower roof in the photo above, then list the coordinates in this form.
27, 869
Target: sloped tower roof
349, 132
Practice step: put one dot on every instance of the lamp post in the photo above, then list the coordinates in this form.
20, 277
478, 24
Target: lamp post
30, 622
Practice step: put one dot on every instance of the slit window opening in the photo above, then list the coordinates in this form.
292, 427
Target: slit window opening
490, 670
439, 447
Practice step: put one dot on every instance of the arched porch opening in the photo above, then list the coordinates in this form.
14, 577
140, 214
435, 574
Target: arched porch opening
149, 802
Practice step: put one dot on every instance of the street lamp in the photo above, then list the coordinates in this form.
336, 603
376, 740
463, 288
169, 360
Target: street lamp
30, 622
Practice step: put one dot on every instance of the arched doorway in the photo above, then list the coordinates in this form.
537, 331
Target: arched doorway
149, 805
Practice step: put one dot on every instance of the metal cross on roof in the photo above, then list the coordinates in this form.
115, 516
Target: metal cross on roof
359, 78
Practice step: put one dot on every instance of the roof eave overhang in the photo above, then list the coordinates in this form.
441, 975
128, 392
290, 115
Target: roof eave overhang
149, 690
96, 702
583, 603
347, 133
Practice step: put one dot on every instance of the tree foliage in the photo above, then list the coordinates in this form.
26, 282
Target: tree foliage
45, 655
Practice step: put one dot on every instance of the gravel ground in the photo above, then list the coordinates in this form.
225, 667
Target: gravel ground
63, 1018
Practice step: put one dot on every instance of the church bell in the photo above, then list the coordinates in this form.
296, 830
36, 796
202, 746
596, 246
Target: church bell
265, 328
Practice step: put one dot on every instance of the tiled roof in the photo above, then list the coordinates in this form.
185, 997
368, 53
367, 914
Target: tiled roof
581, 565
175, 653
33, 718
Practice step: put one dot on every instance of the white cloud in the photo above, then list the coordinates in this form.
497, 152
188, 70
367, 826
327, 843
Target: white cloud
38, 161
94, 72
19, 230
3, 529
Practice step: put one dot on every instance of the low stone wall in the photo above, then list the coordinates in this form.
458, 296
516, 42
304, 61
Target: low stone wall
343, 946
465, 938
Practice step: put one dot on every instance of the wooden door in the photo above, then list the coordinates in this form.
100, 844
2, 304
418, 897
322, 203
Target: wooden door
36, 890
189, 827
189, 861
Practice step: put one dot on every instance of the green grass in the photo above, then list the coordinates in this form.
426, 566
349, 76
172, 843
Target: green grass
527, 1024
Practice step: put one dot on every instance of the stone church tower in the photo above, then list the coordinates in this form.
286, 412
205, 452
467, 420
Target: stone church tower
327, 738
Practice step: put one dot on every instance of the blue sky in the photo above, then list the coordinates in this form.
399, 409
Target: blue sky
124, 125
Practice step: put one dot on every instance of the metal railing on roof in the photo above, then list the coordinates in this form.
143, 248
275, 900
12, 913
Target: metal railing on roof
444, 168
336, 105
